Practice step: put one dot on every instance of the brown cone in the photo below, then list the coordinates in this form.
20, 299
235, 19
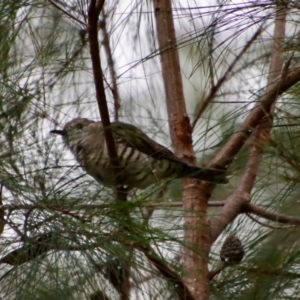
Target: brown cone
232, 250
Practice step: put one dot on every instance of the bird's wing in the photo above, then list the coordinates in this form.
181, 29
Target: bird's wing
133, 137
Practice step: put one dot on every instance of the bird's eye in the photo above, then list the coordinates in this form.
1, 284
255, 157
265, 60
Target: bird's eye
79, 126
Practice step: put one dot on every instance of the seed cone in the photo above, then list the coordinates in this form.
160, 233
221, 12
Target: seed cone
232, 250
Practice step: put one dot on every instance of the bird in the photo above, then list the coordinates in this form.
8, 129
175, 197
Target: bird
143, 162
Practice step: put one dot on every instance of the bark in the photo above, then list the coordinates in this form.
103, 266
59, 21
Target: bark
94, 10
195, 221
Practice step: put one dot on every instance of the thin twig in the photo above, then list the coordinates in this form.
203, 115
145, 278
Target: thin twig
261, 223
213, 273
247, 208
66, 64
113, 270
215, 88
283, 154
66, 13
67, 210
171, 275
111, 66
210, 59
263, 271
2, 211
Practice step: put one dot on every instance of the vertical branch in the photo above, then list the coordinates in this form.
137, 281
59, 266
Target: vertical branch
94, 10
93, 18
196, 225
260, 136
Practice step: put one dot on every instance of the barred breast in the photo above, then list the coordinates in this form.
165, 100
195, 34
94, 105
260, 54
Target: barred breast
138, 169
141, 170
142, 160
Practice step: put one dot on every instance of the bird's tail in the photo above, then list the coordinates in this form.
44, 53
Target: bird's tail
211, 175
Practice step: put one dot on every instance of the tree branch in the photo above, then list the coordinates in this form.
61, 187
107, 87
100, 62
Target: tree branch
238, 139
93, 18
277, 85
232, 208
261, 271
66, 13
68, 210
261, 212
196, 228
235, 143
213, 273
260, 135
283, 152
170, 274
120, 193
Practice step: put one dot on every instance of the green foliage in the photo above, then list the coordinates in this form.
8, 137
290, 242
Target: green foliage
45, 81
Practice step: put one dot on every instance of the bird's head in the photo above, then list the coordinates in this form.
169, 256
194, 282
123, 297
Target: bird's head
74, 130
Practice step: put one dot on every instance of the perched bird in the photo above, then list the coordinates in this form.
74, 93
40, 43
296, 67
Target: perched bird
143, 161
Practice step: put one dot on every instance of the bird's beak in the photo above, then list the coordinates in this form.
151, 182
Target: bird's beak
59, 132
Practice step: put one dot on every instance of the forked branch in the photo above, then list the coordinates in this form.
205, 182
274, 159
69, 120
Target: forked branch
260, 135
